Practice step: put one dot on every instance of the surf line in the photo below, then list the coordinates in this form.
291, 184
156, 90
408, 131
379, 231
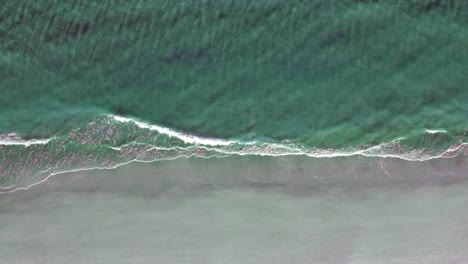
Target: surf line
26, 143
167, 131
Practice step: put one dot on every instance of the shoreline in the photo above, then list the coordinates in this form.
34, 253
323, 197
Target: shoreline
281, 171
244, 209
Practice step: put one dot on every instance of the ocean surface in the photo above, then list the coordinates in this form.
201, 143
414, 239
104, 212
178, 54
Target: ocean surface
92, 88
268, 77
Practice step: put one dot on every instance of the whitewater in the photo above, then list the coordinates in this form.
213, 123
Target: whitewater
112, 141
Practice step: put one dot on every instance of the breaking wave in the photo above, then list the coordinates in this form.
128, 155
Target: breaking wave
111, 141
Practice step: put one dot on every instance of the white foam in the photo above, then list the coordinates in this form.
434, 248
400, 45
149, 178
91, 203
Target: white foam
435, 131
21, 142
275, 149
184, 137
228, 148
413, 156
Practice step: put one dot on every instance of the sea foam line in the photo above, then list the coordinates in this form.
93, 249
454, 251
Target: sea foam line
25, 143
435, 131
251, 148
167, 131
277, 149
452, 150
9, 190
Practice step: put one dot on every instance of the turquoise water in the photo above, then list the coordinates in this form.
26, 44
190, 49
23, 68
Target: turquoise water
290, 77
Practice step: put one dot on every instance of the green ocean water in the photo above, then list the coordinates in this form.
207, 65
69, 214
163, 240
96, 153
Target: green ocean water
329, 75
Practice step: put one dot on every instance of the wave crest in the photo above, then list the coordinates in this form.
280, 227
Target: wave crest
110, 141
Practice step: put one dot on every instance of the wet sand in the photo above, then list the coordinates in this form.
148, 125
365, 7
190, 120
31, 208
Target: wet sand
244, 210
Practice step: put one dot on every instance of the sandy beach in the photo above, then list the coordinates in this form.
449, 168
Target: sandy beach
244, 210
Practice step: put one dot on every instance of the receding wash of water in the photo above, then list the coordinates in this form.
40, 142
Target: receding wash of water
234, 131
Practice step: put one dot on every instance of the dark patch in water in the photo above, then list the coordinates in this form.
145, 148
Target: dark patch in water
119, 111
335, 38
431, 5
185, 56
366, 1
77, 29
